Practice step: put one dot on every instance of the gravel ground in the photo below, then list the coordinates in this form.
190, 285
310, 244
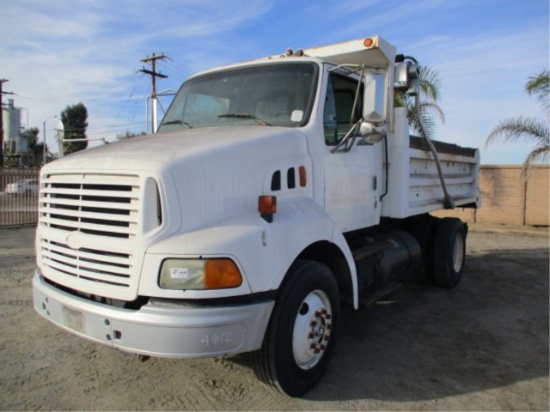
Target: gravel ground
481, 346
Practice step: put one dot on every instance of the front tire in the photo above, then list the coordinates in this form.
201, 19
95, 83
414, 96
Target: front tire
301, 334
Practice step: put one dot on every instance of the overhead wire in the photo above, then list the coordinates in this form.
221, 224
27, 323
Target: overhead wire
177, 71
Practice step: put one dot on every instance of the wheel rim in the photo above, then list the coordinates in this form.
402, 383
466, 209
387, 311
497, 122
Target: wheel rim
458, 252
312, 329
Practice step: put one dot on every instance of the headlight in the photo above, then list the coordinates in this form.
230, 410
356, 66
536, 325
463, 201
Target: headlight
199, 274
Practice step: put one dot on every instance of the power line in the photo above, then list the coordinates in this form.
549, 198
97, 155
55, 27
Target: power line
178, 70
154, 74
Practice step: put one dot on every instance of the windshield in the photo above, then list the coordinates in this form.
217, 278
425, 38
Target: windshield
264, 95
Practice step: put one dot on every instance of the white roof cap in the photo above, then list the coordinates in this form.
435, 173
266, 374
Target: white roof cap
372, 51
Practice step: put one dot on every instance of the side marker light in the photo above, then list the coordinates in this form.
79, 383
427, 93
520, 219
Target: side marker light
267, 206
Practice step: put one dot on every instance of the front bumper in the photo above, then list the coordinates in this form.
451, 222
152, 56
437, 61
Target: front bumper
174, 331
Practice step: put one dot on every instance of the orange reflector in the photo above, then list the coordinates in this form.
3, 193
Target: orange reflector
267, 204
221, 274
303, 176
368, 42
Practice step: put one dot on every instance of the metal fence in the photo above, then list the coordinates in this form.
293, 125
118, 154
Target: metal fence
18, 197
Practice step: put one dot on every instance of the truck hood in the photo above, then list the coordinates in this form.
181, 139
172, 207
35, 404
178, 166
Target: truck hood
204, 175
167, 148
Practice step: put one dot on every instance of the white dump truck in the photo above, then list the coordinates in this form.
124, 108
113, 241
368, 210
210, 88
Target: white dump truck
275, 191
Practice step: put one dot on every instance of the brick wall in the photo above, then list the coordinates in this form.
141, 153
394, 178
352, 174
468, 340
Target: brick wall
507, 197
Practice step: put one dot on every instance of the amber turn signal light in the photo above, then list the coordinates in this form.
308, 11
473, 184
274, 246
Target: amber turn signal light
267, 206
221, 274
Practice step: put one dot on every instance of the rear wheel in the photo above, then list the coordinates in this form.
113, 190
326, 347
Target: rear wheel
423, 229
302, 331
449, 252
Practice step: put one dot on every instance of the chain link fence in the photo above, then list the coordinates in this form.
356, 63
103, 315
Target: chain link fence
18, 197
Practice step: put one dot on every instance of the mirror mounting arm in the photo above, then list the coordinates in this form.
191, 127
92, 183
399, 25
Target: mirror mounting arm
372, 133
352, 133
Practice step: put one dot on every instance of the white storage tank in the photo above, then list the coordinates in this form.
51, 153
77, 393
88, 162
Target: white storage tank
12, 129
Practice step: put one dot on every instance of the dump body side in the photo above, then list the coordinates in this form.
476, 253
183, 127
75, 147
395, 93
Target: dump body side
413, 183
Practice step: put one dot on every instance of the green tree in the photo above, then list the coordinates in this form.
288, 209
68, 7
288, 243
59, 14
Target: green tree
525, 129
429, 96
75, 122
36, 149
128, 135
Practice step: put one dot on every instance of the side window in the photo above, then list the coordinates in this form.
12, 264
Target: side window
329, 117
338, 116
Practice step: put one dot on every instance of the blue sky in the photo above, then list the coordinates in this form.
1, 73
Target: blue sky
60, 53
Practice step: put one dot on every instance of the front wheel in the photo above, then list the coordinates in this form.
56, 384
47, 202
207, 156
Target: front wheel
301, 334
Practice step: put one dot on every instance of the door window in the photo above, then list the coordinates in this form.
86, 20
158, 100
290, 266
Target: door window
338, 116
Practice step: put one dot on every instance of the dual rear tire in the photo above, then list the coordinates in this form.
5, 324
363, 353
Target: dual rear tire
443, 244
449, 252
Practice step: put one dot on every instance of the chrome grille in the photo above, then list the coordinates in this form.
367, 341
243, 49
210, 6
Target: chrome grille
89, 264
88, 224
108, 208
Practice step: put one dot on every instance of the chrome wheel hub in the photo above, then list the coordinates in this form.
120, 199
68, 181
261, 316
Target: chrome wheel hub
458, 252
312, 329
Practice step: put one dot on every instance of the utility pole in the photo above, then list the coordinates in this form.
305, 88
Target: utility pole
2, 81
154, 74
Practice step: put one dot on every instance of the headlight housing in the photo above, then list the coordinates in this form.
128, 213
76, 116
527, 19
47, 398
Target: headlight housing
198, 274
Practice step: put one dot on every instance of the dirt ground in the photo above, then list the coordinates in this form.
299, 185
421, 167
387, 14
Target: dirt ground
481, 346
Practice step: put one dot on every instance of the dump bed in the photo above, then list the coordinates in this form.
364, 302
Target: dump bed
414, 186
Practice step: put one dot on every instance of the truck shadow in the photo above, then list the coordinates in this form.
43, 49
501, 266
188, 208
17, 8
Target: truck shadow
426, 343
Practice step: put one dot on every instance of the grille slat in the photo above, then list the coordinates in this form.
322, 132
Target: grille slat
108, 193
109, 258
107, 215
81, 269
75, 261
108, 230
77, 201
87, 275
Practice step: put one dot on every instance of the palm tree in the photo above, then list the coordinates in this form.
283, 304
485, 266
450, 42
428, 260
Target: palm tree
429, 96
527, 129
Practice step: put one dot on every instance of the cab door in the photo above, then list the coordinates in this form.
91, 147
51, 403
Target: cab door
353, 171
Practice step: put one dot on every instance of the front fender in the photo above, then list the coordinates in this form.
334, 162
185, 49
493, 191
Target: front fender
299, 223
263, 251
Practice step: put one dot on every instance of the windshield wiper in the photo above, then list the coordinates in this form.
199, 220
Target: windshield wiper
246, 116
176, 121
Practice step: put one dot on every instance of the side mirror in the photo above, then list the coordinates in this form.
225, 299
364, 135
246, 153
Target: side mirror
371, 134
407, 77
375, 97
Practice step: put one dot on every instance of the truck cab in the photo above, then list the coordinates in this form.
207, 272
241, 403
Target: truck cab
275, 191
